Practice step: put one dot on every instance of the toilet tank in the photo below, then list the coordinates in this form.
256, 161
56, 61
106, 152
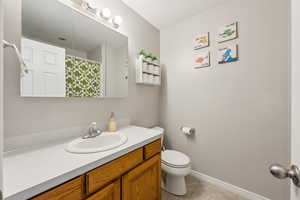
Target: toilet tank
162, 138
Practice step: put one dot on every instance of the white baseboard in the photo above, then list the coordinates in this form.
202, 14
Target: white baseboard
237, 190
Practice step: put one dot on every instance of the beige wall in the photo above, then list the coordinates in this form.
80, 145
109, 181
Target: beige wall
240, 110
31, 115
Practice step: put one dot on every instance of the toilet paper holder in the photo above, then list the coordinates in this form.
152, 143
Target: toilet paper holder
187, 130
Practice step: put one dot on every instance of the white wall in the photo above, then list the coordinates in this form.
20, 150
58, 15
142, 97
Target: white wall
77, 53
111, 70
123, 71
116, 84
30, 115
95, 54
240, 110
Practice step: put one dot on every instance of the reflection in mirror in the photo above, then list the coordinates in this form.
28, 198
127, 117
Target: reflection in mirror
69, 54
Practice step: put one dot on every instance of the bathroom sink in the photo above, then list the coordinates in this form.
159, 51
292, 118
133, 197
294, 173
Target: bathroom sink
104, 142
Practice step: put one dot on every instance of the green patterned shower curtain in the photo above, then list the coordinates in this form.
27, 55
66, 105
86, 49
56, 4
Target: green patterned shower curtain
83, 78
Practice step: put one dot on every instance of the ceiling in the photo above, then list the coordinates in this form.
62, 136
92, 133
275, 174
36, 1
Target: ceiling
163, 13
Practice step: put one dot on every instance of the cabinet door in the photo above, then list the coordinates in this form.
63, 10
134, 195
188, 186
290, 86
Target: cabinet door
111, 192
143, 182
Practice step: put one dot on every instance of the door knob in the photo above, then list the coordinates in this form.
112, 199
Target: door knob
282, 172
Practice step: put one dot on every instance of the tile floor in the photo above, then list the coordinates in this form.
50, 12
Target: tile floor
202, 191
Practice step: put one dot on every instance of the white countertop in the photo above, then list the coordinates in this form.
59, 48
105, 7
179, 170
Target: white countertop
33, 171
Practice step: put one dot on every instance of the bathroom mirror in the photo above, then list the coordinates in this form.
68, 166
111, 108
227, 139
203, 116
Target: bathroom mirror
70, 54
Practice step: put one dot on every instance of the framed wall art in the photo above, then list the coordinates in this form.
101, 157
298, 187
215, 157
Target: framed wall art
202, 59
227, 32
228, 54
201, 41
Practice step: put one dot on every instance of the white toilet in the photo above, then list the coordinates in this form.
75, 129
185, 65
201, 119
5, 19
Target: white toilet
176, 166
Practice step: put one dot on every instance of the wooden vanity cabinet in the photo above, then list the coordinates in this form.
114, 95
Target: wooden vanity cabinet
133, 176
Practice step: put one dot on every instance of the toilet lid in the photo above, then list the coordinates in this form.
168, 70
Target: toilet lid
174, 158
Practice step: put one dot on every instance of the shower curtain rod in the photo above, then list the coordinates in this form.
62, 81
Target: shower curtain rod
85, 59
24, 68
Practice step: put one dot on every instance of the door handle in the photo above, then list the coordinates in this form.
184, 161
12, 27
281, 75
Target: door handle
282, 172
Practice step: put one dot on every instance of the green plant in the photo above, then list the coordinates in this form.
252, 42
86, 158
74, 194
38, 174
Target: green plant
154, 58
149, 55
143, 53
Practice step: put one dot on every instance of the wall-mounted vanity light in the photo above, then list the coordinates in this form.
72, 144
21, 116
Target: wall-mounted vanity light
105, 13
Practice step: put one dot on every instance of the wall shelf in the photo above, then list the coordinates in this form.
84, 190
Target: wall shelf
147, 73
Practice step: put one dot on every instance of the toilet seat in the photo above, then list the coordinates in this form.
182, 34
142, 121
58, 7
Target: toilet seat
175, 159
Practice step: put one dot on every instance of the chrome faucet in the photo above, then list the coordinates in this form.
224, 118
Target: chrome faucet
93, 131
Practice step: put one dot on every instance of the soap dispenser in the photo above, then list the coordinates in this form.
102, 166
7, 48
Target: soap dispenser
112, 124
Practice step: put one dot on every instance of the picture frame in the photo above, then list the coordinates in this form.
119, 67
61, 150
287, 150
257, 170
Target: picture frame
201, 41
227, 32
202, 59
228, 54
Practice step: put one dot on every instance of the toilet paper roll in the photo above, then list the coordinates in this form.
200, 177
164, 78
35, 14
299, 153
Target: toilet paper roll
188, 130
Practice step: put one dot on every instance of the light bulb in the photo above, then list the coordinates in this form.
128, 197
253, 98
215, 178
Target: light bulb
117, 20
92, 3
106, 13
85, 4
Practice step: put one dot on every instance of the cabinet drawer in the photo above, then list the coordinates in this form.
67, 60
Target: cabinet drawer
152, 149
72, 190
97, 178
112, 192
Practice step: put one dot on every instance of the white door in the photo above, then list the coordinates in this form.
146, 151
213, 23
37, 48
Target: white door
295, 91
1, 95
46, 64
293, 171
